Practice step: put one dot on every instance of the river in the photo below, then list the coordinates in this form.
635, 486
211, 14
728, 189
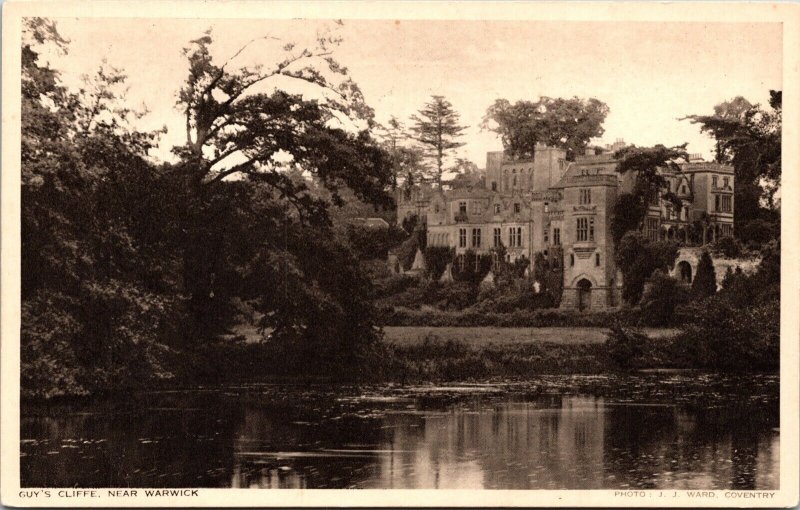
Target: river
653, 431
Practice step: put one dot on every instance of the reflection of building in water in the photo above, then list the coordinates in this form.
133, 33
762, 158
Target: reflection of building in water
267, 478
680, 449
515, 445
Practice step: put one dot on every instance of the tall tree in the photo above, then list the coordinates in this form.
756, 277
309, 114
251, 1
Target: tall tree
749, 138
94, 289
437, 128
705, 281
466, 173
557, 122
406, 160
264, 125
236, 128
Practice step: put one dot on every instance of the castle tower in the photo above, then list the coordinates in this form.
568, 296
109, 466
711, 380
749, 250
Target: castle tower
590, 273
507, 175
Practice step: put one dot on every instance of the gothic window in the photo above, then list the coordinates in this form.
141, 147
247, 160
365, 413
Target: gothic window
497, 208
546, 236
494, 186
519, 236
462, 207
726, 201
517, 208
476, 237
514, 182
597, 259
591, 229
462, 238
651, 227
512, 237
557, 236
585, 196
571, 259
462, 262
583, 229
725, 182
714, 181
497, 240
716, 203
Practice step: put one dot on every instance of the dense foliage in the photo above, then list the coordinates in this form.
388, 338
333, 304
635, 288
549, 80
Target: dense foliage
705, 281
748, 137
638, 258
662, 298
644, 165
437, 258
134, 273
558, 122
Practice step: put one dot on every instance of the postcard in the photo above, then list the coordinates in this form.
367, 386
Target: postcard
365, 254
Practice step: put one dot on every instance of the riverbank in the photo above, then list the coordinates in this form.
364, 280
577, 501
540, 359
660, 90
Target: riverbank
559, 431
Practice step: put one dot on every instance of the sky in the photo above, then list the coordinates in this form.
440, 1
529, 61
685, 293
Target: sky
649, 74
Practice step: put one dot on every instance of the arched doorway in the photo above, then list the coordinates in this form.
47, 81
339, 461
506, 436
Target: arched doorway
685, 272
584, 294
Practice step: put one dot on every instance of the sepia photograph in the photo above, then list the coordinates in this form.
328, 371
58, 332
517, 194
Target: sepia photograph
306, 252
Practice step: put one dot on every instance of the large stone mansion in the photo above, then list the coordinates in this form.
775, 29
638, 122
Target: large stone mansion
563, 209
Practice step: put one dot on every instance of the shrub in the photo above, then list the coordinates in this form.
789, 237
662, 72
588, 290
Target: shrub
705, 281
758, 232
722, 337
472, 267
658, 306
436, 260
407, 251
638, 257
728, 246
369, 243
456, 295
519, 295
623, 346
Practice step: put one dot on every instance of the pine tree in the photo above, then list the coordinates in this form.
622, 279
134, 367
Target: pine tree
705, 281
436, 127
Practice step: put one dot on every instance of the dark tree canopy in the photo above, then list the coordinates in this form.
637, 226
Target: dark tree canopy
153, 264
557, 122
705, 281
638, 258
437, 128
645, 164
749, 138
234, 128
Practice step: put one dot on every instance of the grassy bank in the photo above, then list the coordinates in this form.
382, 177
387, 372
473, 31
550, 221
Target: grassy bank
481, 336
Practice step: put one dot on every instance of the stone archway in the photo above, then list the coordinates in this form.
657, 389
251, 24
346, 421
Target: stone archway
584, 287
684, 272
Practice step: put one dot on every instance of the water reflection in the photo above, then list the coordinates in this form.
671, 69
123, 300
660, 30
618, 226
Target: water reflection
316, 439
